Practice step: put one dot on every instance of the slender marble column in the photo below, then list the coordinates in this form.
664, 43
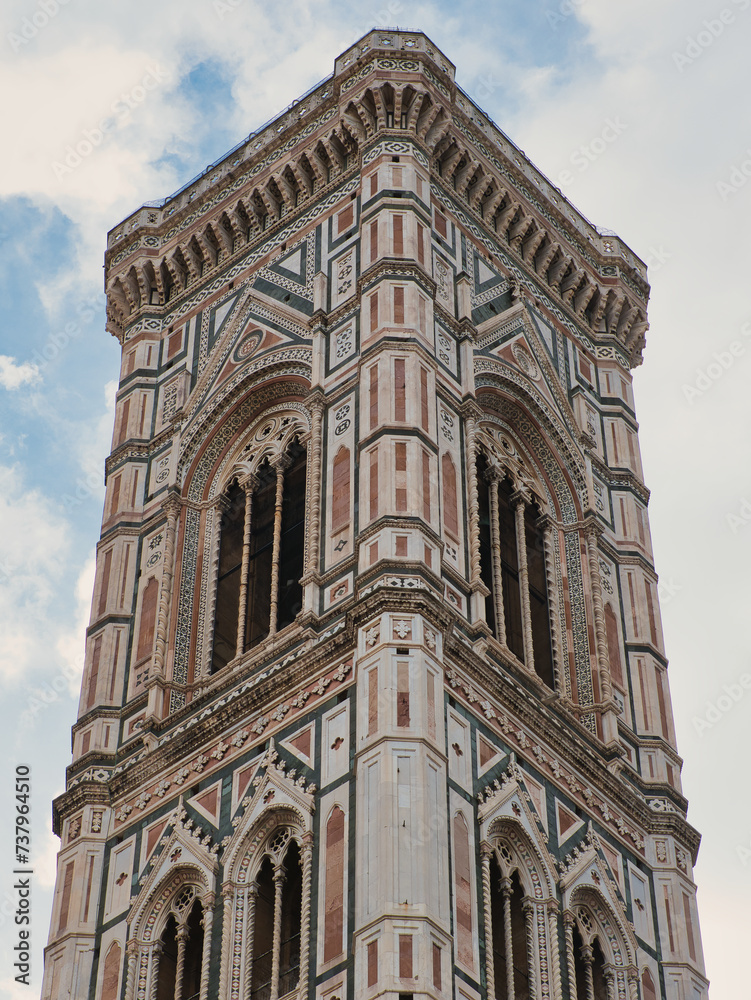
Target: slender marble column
568, 924
529, 911
171, 505
182, 938
156, 954
242, 604
495, 543
508, 938
553, 944
487, 852
307, 881
276, 946
130, 983
588, 959
280, 465
208, 920
251, 895
519, 500
228, 900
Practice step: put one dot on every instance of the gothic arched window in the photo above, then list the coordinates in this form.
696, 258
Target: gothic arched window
513, 568
509, 933
180, 955
261, 555
589, 963
277, 920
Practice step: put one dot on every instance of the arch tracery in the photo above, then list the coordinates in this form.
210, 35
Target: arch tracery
267, 890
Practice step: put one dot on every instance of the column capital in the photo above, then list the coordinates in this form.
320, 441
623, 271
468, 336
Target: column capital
486, 850
315, 401
172, 503
470, 410
280, 462
248, 483
494, 473
521, 495
592, 526
547, 522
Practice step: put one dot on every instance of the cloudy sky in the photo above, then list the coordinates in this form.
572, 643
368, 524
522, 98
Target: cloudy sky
639, 111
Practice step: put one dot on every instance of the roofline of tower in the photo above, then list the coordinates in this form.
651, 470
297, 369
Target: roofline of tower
399, 39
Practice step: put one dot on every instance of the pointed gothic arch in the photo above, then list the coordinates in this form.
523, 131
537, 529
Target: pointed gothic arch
600, 944
267, 890
519, 893
517, 551
170, 939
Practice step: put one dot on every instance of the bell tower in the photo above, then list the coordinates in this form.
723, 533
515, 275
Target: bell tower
375, 700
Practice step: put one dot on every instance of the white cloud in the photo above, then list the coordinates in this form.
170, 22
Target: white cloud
14, 375
34, 547
71, 642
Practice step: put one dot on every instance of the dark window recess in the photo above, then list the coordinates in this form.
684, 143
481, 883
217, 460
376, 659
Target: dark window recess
191, 978
509, 559
293, 539
258, 613
518, 958
538, 596
291, 920
260, 558
228, 578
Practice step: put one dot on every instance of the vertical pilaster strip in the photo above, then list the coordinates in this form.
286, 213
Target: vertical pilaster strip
487, 852
208, 920
520, 500
221, 508
587, 960
228, 898
601, 637
508, 938
470, 428
156, 952
171, 505
313, 546
277, 936
610, 983
130, 982
182, 937
280, 465
551, 582
307, 883
528, 909
554, 953
242, 603
251, 894
633, 984
495, 543
568, 925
